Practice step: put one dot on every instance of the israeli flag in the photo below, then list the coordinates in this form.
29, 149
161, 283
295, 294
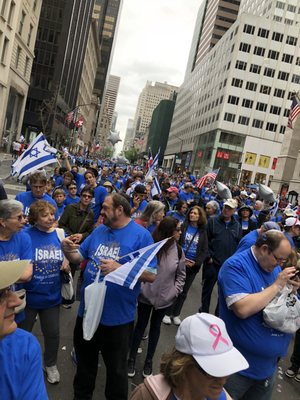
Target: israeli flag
128, 274
38, 154
155, 190
153, 166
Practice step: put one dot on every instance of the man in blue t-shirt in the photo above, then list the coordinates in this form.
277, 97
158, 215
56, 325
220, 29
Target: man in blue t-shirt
248, 282
37, 183
112, 241
21, 375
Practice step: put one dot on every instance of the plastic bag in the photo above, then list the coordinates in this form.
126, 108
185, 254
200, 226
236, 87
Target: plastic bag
94, 296
283, 312
67, 289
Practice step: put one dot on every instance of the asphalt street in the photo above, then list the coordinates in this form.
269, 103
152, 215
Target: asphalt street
286, 389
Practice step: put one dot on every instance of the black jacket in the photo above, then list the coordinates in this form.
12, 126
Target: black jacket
223, 238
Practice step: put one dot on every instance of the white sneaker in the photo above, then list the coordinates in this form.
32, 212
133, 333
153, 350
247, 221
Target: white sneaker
177, 320
167, 320
52, 374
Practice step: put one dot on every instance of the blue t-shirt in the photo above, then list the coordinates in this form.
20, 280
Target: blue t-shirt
44, 289
247, 241
176, 215
96, 204
190, 242
187, 197
71, 200
259, 344
60, 210
138, 212
120, 302
26, 198
21, 375
18, 247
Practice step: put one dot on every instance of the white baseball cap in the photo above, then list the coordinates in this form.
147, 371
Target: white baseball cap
11, 271
204, 337
292, 221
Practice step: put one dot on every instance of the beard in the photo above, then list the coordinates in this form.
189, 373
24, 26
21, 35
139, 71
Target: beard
109, 222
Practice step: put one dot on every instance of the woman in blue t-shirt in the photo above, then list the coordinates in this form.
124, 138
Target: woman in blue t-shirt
44, 289
180, 211
195, 246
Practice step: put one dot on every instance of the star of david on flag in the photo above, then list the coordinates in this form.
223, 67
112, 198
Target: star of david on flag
38, 154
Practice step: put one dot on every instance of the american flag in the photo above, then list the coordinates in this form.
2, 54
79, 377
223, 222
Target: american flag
210, 175
71, 116
294, 111
79, 122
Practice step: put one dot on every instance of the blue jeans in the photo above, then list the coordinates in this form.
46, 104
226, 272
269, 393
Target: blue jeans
243, 388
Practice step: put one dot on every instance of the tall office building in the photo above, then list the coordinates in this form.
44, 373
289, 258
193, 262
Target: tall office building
59, 55
231, 111
18, 29
149, 98
129, 136
110, 98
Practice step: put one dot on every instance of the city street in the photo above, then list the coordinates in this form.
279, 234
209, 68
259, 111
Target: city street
285, 388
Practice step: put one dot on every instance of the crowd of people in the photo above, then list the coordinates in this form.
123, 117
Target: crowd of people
80, 220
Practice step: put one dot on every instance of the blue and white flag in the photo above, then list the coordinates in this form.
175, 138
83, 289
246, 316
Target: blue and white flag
273, 210
38, 154
153, 166
128, 274
155, 190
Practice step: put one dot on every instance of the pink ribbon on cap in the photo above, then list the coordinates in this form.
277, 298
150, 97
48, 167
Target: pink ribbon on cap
218, 335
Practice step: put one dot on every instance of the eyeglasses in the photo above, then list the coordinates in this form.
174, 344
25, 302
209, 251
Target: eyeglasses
72, 187
278, 259
18, 217
88, 196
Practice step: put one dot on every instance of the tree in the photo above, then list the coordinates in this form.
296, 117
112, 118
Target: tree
131, 154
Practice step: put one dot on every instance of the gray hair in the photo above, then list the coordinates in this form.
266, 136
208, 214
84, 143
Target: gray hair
9, 207
152, 208
214, 204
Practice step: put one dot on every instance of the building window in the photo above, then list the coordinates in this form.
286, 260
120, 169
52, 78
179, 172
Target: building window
282, 129
277, 37
237, 82
291, 40
247, 103
34, 5
265, 89
11, 12
249, 29
261, 106
29, 35
271, 127
296, 78
298, 61
26, 69
18, 55
241, 65
273, 54
287, 58
245, 47
288, 21
3, 8
264, 33
269, 72
243, 120
4, 50
233, 100
251, 86
259, 51
277, 18
279, 93
257, 123
229, 117
284, 76
280, 4
255, 68
291, 8
275, 110
21, 24
286, 112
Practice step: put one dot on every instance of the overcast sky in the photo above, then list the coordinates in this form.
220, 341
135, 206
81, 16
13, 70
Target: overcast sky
153, 43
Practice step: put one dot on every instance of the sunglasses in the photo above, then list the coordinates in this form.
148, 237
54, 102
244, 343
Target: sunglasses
88, 196
18, 217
